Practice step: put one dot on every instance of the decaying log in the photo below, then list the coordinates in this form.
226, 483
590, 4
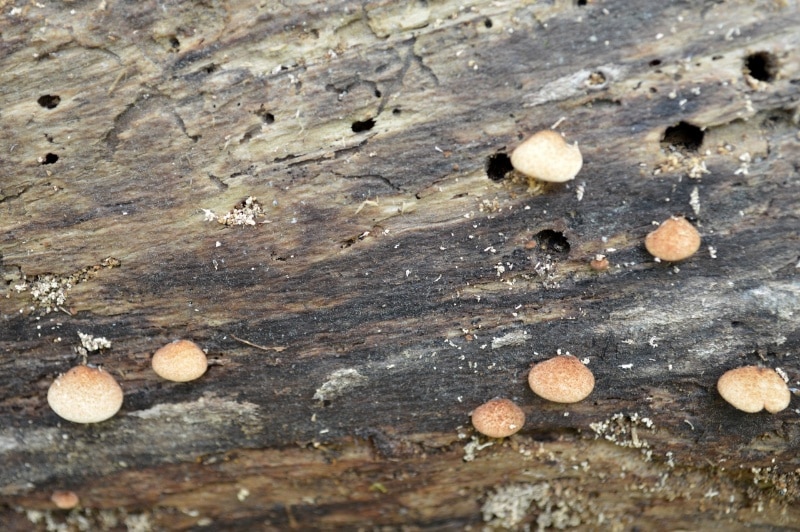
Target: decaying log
319, 194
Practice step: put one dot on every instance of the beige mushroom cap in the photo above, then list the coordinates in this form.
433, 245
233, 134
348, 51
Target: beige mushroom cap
546, 156
674, 240
65, 500
562, 379
85, 394
180, 361
498, 418
752, 388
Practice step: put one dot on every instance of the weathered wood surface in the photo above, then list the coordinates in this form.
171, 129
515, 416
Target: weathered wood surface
365, 130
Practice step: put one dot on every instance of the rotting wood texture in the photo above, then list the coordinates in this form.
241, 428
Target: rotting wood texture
317, 194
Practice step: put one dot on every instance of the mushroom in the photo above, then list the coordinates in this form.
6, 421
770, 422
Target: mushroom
674, 240
599, 263
85, 394
753, 388
545, 156
180, 361
65, 500
498, 418
561, 379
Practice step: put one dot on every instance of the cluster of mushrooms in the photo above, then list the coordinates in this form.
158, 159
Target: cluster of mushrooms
89, 394
561, 379
546, 157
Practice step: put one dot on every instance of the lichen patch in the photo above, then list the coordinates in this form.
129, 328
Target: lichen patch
91, 519
90, 343
507, 507
626, 430
246, 213
48, 291
511, 338
204, 410
338, 383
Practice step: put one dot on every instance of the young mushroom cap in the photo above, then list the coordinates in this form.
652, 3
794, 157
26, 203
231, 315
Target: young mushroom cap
561, 379
675, 239
599, 263
752, 388
180, 361
498, 418
65, 500
85, 394
546, 156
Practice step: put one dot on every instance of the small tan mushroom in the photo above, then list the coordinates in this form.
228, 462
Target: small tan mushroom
675, 239
599, 263
498, 418
752, 388
65, 500
180, 361
561, 379
85, 394
546, 156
